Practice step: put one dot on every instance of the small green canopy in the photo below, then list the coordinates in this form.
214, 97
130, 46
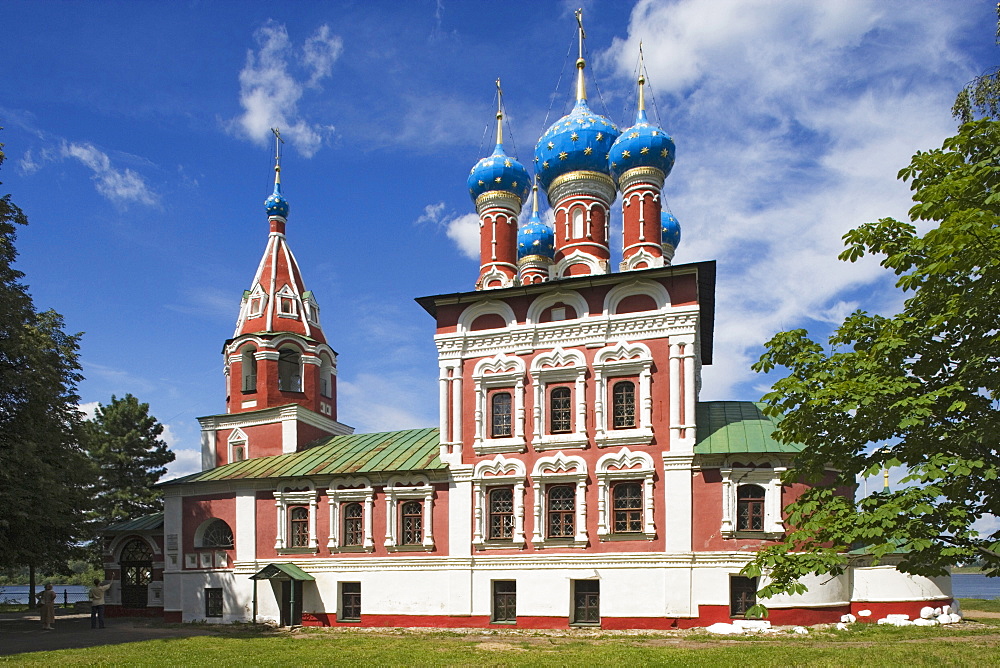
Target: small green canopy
282, 572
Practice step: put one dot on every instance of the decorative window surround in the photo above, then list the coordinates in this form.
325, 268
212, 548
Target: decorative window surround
355, 489
624, 465
398, 490
641, 259
639, 286
569, 297
551, 471
284, 500
623, 360
498, 471
288, 303
256, 302
579, 257
238, 441
500, 372
494, 279
486, 307
767, 478
311, 307
559, 366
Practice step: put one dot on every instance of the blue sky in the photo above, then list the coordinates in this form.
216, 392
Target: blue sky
137, 142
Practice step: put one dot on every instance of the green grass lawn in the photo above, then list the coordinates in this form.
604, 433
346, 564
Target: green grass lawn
986, 605
867, 646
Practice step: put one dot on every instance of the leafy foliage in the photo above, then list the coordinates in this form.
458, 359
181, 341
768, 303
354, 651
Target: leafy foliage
124, 442
919, 389
982, 94
44, 474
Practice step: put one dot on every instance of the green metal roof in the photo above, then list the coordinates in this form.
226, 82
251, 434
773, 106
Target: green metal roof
280, 572
728, 427
144, 523
386, 451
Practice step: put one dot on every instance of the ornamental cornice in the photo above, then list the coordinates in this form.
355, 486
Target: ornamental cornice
582, 182
588, 331
641, 176
498, 198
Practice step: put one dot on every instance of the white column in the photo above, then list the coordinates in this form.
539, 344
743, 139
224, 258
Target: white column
390, 519
428, 519
456, 412
313, 539
173, 518
369, 507
677, 490
599, 394
690, 393
477, 494
646, 399
443, 411
519, 409
537, 409
334, 540
648, 500
675, 395
581, 509
480, 412
279, 539
537, 535
581, 403
519, 513
602, 507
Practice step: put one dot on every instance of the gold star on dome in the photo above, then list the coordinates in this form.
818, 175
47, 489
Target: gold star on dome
574, 136
513, 184
545, 165
506, 163
551, 145
626, 154
600, 136
655, 133
482, 183
588, 151
663, 153
497, 179
563, 155
645, 150
633, 135
613, 165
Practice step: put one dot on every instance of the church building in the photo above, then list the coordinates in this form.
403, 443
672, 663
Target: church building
574, 476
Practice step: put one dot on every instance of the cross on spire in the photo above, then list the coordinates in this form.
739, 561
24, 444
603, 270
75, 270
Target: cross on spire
278, 141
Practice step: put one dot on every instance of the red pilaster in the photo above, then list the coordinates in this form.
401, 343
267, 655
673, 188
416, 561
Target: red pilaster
581, 202
640, 188
498, 213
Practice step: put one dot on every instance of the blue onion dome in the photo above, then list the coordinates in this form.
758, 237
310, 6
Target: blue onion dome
642, 145
535, 237
276, 204
579, 141
671, 233
499, 172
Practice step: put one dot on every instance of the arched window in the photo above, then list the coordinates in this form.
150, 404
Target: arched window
353, 524
299, 525
136, 563
217, 534
560, 411
289, 373
749, 508
501, 513
561, 511
577, 223
326, 377
500, 415
411, 523
249, 367
623, 404
627, 502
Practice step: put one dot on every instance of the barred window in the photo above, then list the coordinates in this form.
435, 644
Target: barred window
749, 508
353, 524
217, 534
561, 501
213, 602
411, 521
501, 513
561, 413
742, 595
500, 415
504, 601
627, 503
586, 602
623, 402
350, 601
299, 520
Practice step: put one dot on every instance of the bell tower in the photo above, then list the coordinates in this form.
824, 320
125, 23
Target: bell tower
280, 370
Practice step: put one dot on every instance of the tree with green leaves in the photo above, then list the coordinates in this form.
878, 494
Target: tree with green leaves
124, 442
982, 95
918, 390
45, 477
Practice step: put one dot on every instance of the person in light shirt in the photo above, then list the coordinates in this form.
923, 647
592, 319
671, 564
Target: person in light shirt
97, 603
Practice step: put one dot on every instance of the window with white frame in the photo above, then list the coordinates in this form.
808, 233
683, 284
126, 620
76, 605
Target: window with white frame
560, 484
408, 511
623, 405
214, 533
351, 501
256, 302
751, 500
288, 303
296, 506
560, 409
289, 369
625, 496
326, 376
311, 307
248, 366
499, 416
498, 491
238, 450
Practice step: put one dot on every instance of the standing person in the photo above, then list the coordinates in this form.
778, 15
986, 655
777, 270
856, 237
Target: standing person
96, 596
47, 599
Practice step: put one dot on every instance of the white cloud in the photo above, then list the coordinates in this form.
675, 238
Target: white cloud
792, 120
89, 409
270, 93
463, 230
121, 186
186, 462
386, 401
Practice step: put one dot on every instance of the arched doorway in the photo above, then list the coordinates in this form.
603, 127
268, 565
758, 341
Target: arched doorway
136, 563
